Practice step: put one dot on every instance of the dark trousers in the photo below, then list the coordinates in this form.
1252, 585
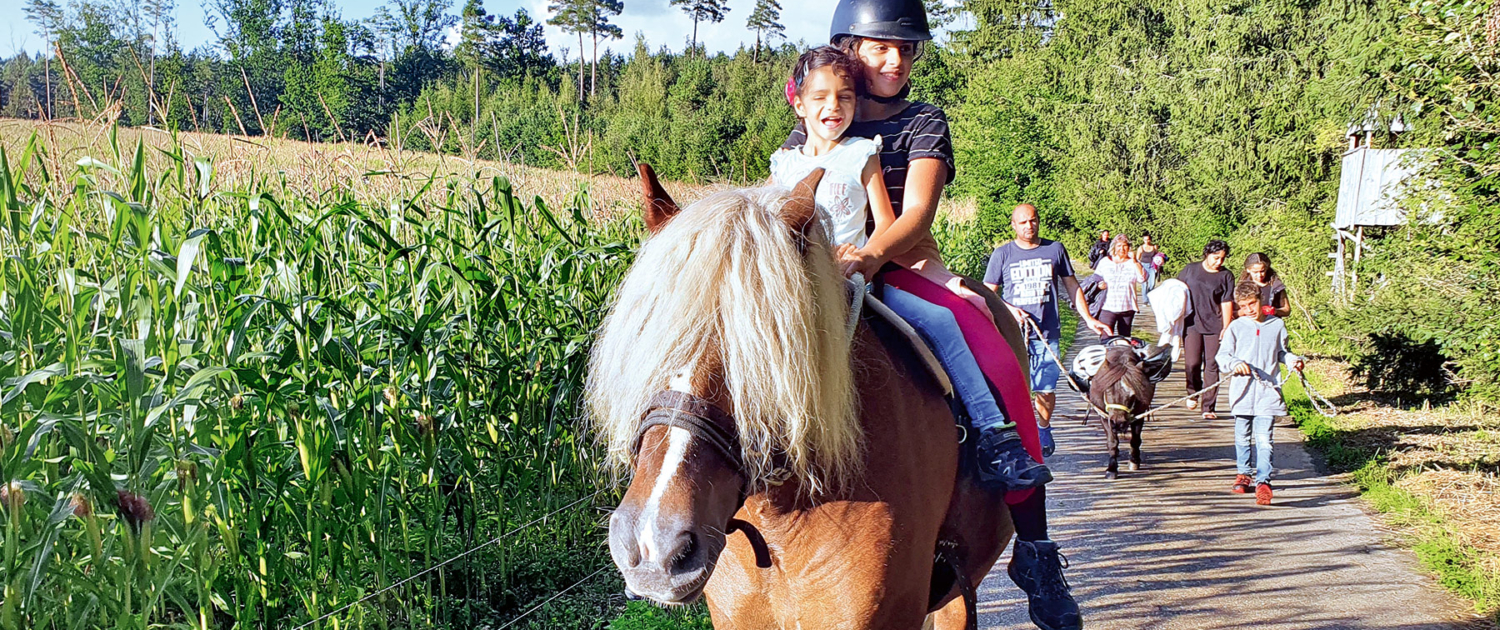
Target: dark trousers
1201, 366
1118, 322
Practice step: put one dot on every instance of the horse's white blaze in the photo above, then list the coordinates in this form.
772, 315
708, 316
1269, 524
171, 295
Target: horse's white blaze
671, 465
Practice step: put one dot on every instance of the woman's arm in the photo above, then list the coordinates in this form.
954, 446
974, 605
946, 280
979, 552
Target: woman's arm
924, 184
863, 260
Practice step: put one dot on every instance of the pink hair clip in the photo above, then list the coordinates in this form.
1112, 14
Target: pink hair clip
791, 91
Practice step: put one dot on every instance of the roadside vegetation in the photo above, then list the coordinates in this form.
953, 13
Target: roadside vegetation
1432, 472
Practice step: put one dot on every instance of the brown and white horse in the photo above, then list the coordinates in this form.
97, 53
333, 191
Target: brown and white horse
796, 478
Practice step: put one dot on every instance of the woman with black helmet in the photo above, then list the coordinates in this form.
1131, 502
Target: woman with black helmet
916, 157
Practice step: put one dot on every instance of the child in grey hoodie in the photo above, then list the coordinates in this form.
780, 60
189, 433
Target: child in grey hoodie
1252, 348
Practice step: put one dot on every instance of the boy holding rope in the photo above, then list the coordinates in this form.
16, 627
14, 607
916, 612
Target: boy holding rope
1253, 348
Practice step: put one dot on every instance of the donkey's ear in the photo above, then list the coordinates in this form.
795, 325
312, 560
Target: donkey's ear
800, 210
659, 205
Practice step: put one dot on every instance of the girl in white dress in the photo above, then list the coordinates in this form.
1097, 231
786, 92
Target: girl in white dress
852, 195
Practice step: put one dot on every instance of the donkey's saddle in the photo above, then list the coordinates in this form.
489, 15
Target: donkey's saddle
1156, 361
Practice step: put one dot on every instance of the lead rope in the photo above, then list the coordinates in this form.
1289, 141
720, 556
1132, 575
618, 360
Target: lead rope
856, 302
1319, 403
1032, 325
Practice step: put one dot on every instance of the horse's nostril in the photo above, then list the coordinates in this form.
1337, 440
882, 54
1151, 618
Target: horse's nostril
687, 553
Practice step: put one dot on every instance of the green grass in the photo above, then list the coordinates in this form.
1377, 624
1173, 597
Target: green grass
248, 406
1459, 569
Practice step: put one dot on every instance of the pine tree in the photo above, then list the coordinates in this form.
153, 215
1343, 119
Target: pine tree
763, 19
48, 17
573, 16
600, 12
710, 10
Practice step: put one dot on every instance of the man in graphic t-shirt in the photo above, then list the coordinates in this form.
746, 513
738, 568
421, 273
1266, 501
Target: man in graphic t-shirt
1026, 273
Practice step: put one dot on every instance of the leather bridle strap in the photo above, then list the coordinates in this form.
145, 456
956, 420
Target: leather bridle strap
700, 418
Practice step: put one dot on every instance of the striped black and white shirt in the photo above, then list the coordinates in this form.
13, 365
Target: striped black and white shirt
919, 131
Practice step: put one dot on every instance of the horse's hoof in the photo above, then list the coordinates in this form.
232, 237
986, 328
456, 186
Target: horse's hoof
1134, 466
1110, 474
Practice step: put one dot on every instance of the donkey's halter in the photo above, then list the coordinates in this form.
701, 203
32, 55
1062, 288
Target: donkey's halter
698, 417
1129, 415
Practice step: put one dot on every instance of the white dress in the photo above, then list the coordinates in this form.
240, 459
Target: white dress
841, 193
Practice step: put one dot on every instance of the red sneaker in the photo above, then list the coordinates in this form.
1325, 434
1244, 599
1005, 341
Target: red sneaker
1263, 494
1241, 484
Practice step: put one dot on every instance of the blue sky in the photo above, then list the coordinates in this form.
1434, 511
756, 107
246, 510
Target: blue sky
805, 20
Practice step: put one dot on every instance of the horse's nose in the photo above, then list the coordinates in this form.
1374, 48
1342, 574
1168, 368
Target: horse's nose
622, 540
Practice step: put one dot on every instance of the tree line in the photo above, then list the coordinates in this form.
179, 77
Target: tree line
1192, 119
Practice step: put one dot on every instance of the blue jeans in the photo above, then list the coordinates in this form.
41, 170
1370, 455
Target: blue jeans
1258, 427
1044, 370
939, 329
1150, 282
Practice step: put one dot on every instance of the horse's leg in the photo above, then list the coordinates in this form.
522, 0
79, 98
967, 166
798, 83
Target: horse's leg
1113, 447
1135, 444
952, 616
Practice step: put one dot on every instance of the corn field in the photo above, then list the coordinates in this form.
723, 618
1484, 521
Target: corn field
253, 407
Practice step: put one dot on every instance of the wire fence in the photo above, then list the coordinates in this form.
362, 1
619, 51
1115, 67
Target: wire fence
518, 529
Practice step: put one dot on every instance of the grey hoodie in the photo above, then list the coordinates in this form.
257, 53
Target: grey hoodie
1262, 345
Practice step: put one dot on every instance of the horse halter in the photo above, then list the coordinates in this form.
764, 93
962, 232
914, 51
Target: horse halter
699, 418
707, 422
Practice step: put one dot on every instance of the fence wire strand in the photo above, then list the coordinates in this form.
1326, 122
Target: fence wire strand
465, 554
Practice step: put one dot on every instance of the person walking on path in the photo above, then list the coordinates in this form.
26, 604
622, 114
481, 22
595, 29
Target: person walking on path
1210, 307
1025, 272
1273, 298
1253, 347
1100, 249
1151, 258
1122, 275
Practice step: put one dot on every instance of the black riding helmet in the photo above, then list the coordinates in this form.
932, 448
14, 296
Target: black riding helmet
904, 20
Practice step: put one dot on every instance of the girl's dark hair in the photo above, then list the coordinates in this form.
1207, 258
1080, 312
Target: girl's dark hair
1258, 259
839, 61
1215, 246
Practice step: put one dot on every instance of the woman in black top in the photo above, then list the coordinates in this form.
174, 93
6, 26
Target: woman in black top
916, 158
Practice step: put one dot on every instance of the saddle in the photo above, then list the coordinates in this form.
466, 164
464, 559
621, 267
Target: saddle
1156, 360
874, 309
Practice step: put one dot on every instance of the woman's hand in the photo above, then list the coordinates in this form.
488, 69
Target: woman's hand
854, 260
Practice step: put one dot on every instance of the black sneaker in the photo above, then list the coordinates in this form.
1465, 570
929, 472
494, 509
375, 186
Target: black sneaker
1003, 463
1037, 568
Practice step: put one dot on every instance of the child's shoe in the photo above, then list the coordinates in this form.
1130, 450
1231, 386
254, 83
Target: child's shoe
1263, 494
1241, 484
1004, 464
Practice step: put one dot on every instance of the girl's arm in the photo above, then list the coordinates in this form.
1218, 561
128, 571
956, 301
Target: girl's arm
924, 184
1285, 307
863, 260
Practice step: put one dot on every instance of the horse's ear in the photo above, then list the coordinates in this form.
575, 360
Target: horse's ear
659, 205
800, 209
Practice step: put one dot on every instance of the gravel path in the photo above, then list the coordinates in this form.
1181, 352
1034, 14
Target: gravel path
1170, 547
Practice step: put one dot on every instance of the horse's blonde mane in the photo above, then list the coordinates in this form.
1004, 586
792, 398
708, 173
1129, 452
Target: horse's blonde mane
726, 276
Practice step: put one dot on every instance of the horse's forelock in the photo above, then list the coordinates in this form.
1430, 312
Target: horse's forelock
726, 276
1122, 380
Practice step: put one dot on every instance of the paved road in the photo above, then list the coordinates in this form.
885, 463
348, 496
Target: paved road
1170, 547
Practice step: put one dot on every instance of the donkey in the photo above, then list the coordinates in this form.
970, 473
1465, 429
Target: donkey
726, 384
1123, 389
